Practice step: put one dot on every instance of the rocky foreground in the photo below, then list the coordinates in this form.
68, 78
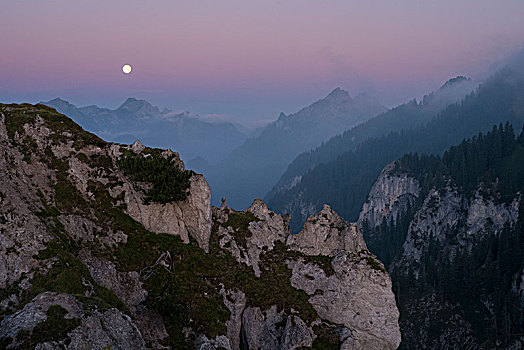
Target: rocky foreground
95, 256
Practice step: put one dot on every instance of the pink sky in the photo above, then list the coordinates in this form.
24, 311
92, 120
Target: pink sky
247, 58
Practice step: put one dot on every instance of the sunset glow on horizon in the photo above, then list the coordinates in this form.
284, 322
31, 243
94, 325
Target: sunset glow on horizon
261, 56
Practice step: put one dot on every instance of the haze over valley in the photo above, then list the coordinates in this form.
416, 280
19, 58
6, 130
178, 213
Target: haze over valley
262, 175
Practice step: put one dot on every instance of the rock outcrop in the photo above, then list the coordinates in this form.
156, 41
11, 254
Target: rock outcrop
252, 237
191, 218
451, 253
85, 330
92, 257
352, 290
327, 234
467, 218
354, 296
263, 330
355, 292
389, 197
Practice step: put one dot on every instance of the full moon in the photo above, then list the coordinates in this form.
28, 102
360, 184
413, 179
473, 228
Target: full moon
126, 69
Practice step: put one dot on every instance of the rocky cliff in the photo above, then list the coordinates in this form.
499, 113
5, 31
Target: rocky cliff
390, 196
113, 246
450, 231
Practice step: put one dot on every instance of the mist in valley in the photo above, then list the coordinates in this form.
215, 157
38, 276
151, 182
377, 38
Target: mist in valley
262, 175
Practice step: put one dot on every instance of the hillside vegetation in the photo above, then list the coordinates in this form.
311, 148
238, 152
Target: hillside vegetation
456, 251
345, 182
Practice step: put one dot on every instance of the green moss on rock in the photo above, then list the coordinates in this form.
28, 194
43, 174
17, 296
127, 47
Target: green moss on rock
327, 338
375, 265
168, 182
55, 327
62, 128
69, 275
239, 222
187, 292
15, 118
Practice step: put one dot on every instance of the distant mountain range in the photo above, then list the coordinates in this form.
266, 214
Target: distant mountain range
344, 180
255, 166
184, 132
407, 115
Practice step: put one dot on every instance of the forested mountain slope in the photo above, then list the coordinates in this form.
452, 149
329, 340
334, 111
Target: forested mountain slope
451, 231
345, 182
251, 169
407, 115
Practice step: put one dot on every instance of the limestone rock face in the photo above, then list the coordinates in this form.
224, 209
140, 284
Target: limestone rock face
84, 263
353, 291
263, 232
97, 330
35, 312
189, 218
219, 342
357, 293
356, 296
390, 195
22, 235
264, 330
426, 223
448, 208
327, 234
499, 214
435, 228
137, 146
110, 328
235, 301
126, 285
296, 334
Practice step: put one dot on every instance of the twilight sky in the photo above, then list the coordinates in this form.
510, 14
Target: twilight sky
249, 59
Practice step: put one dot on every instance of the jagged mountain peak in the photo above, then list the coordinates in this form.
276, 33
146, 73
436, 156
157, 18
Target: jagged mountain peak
338, 103
59, 103
338, 93
141, 108
58, 100
270, 152
131, 100
137, 118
